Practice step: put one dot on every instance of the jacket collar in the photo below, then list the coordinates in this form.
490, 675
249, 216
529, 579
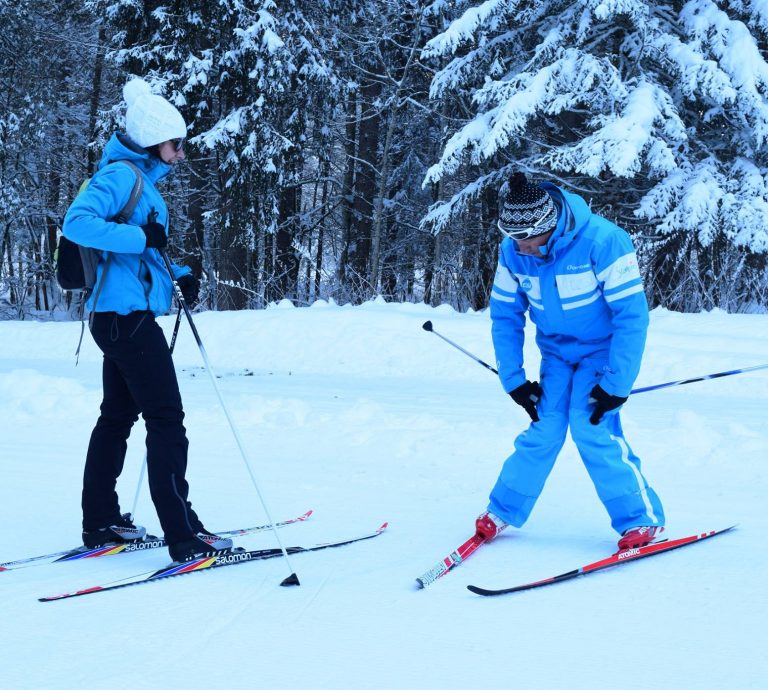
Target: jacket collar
121, 148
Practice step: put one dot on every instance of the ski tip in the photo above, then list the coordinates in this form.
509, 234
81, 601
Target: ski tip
306, 515
2, 570
56, 597
477, 590
419, 583
427, 325
291, 581
382, 528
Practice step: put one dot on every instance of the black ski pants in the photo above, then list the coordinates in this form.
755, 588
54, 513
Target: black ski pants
138, 377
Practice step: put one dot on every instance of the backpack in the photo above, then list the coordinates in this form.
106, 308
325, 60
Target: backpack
76, 265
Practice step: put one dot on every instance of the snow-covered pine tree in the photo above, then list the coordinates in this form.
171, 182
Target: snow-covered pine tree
240, 73
656, 112
43, 129
386, 137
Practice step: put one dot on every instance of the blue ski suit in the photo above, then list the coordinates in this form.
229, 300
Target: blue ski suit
585, 296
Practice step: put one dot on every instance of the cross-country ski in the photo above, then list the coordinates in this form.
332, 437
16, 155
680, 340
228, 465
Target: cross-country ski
235, 557
148, 543
616, 559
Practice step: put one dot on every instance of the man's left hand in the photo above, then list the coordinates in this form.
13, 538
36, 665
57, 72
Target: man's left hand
604, 402
190, 288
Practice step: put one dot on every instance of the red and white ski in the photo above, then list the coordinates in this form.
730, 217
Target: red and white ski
448, 563
616, 559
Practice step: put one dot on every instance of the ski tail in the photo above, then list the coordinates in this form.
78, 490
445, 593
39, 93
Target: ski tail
453, 559
262, 528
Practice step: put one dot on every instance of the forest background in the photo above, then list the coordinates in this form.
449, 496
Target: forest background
350, 149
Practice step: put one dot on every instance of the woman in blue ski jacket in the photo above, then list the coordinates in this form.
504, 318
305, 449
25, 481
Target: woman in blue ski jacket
576, 275
132, 288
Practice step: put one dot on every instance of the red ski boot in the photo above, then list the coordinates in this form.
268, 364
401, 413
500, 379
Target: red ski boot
635, 537
488, 526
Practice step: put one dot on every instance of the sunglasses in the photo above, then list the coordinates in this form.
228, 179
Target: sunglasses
178, 144
522, 233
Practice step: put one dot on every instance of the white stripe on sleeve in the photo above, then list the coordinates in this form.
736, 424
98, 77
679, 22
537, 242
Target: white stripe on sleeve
502, 298
504, 280
624, 293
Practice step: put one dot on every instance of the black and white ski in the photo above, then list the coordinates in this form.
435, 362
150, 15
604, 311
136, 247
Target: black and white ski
147, 544
616, 559
236, 557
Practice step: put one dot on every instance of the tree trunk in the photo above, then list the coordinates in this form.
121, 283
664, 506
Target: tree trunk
386, 158
364, 191
95, 98
348, 187
286, 265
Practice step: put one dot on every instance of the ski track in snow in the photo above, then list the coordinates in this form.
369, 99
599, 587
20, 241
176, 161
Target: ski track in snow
360, 415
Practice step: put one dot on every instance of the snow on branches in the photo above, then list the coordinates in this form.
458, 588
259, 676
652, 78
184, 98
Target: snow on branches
614, 89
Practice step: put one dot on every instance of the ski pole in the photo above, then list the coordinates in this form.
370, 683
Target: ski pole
427, 326
144, 464
292, 579
699, 378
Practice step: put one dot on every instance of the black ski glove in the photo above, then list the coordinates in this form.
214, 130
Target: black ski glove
604, 402
190, 288
156, 236
527, 396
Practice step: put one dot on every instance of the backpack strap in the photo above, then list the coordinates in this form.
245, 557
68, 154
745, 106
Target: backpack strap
122, 217
133, 200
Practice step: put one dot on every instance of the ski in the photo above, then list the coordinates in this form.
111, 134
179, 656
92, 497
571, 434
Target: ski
150, 542
616, 559
235, 557
448, 563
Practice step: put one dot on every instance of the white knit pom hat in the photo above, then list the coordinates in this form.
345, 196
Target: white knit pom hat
150, 119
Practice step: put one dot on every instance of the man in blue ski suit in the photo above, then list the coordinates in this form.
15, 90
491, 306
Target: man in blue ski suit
577, 275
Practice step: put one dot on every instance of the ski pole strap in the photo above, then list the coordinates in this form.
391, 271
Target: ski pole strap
83, 298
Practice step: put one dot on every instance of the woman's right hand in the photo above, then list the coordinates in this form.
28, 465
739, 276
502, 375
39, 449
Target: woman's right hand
155, 233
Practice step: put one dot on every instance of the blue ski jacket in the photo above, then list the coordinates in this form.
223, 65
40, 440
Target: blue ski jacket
137, 279
584, 294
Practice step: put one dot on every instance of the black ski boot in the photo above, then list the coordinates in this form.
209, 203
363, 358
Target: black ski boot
122, 531
203, 545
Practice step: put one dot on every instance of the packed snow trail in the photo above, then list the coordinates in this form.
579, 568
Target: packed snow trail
362, 415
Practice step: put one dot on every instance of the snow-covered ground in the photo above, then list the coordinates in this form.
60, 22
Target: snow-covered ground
362, 416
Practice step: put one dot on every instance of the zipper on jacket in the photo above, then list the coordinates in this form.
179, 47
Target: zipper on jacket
145, 278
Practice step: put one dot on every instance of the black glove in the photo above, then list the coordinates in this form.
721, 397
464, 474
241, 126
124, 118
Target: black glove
604, 402
190, 288
527, 396
156, 236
